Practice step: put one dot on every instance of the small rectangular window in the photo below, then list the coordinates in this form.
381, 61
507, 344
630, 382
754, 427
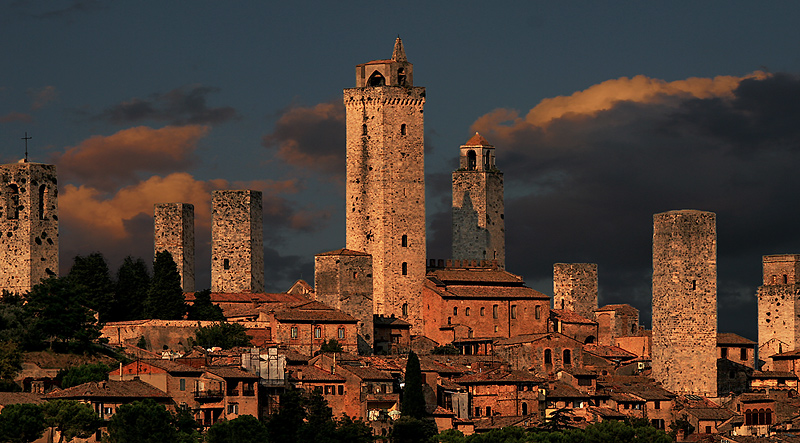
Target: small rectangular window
494, 312
341, 333
183, 384
743, 355
340, 388
513, 312
404, 268
317, 332
294, 331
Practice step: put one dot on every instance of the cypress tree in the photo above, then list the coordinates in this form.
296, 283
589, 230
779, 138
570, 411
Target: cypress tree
133, 283
165, 297
91, 277
413, 404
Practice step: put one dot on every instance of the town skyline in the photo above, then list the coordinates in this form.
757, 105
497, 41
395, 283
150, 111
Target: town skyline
569, 129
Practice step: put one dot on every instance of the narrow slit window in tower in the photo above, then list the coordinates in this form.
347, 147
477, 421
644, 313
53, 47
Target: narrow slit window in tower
404, 267
42, 200
403, 129
567, 357
785, 279
226, 264
13, 202
364, 129
405, 309
404, 241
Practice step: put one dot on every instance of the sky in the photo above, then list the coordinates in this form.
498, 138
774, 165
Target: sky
602, 114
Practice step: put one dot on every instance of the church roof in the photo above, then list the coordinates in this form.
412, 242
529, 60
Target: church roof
342, 251
477, 140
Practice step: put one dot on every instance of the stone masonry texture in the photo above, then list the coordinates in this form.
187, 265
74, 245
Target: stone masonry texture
478, 207
385, 190
685, 301
174, 232
343, 280
778, 307
237, 242
28, 225
575, 287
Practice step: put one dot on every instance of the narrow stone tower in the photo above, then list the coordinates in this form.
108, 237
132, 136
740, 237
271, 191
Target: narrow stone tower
237, 242
385, 189
778, 307
343, 280
685, 301
479, 231
575, 288
28, 225
174, 232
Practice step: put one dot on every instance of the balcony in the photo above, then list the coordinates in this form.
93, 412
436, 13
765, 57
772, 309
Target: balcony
208, 394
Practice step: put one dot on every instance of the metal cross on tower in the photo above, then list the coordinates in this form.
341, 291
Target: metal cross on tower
26, 138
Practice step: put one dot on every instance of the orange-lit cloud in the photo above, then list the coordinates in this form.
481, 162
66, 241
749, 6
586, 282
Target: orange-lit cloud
42, 96
603, 96
13, 117
107, 162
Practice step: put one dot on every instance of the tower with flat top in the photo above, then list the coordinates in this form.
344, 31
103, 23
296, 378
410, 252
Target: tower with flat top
28, 225
778, 307
479, 230
237, 242
385, 190
174, 232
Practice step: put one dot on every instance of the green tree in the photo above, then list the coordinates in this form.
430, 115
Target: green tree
142, 421
133, 283
90, 274
319, 425
10, 360
352, 431
331, 345
58, 313
82, 374
21, 423
448, 349
188, 428
242, 429
283, 426
71, 419
15, 322
449, 436
222, 334
413, 430
559, 420
165, 297
413, 404
204, 309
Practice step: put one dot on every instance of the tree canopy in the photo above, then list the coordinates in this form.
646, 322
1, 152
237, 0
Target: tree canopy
165, 297
204, 309
70, 418
133, 283
91, 277
82, 374
57, 312
21, 423
222, 334
146, 421
413, 404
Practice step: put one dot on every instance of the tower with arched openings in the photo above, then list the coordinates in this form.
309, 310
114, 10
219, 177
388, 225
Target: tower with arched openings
385, 190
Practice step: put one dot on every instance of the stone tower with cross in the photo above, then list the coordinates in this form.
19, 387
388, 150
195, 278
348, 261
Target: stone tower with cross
385, 190
479, 230
28, 225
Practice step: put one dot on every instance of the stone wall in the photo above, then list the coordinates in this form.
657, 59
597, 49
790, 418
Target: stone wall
385, 190
575, 287
174, 232
778, 309
28, 225
685, 301
237, 242
343, 280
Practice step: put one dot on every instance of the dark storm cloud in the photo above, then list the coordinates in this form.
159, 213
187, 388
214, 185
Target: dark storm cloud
281, 271
56, 9
181, 106
311, 138
584, 187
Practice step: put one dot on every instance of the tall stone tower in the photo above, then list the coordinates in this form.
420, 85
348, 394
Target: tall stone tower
479, 231
685, 301
343, 280
385, 188
778, 306
575, 287
28, 225
174, 232
237, 242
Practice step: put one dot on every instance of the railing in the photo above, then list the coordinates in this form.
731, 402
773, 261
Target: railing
208, 393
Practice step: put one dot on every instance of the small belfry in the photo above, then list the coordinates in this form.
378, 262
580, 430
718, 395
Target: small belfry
479, 230
28, 224
385, 190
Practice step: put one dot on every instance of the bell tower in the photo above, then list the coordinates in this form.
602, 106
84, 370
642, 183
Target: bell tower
385, 189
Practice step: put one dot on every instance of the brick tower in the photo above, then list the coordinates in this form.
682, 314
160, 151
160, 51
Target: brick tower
174, 232
237, 242
575, 288
685, 301
778, 307
479, 231
343, 280
28, 225
385, 189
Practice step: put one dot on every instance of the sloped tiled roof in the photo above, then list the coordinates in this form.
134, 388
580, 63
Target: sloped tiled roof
477, 140
168, 365
607, 412
230, 372
475, 276
311, 311
132, 389
716, 414
529, 338
499, 377
514, 292
342, 251
312, 374
249, 297
622, 308
729, 338
367, 373
379, 320
610, 352
558, 389
568, 316
773, 374
16, 398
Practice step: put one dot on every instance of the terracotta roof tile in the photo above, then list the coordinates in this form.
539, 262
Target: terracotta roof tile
623, 308
311, 311
477, 140
16, 398
558, 389
567, 316
366, 373
773, 374
475, 275
379, 320
717, 414
133, 389
230, 372
342, 251
312, 374
499, 377
513, 292
728, 338
610, 352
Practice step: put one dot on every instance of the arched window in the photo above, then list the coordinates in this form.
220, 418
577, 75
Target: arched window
483, 311
42, 201
455, 311
567, 357
548, 357
524, 408
404, 268
404, 241
466, 312
513, 312
537, 312
341, 333
376, 79
589, 340
317, 332
403, 129
471, 160
401, 76
12, 201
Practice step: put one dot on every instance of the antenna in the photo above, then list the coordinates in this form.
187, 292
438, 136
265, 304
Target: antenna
26, 138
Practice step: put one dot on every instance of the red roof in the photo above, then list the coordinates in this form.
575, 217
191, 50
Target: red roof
132, 389
342, 251
475, 276
477, 140
567, 316
729, 338
621, 308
